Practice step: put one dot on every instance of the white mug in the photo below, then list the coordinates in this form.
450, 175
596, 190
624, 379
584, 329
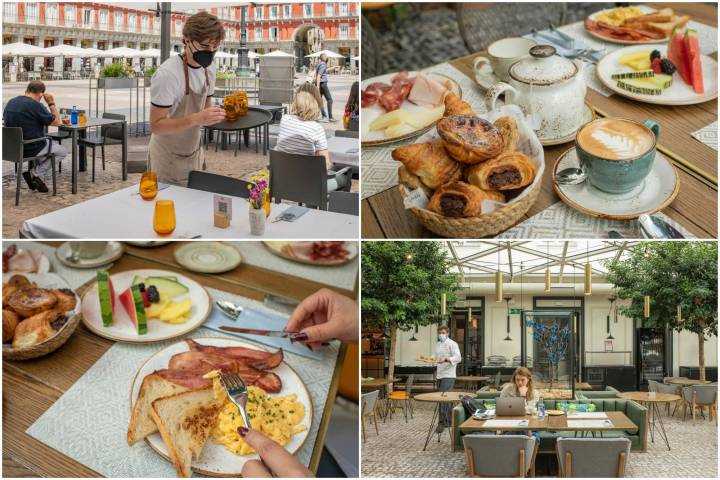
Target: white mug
501, 55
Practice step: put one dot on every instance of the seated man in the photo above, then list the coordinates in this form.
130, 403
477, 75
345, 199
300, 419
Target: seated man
26, 112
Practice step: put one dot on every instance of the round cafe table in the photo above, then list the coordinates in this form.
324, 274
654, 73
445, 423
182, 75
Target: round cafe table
469, 380
653, 410
438, 398
256, 118
685, 382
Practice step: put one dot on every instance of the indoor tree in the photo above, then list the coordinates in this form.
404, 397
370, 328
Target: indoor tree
673, 274
402, 286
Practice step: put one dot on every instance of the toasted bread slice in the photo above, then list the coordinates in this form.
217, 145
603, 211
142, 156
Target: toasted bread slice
668, 27
141, 421
185, 421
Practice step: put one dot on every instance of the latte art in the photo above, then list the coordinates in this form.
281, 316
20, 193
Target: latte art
614, 139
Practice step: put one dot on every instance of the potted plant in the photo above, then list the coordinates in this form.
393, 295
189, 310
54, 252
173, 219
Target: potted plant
148, 73
114, 76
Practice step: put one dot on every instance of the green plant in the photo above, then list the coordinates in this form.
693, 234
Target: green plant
225, 75
116, 70
402, 285
149, 72
675, 275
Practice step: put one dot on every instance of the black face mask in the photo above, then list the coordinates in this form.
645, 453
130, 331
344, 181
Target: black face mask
203, 57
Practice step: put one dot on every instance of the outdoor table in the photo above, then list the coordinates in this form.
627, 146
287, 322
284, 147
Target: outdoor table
273, 109
653, 411
32, 386
686, 382
123, 214
438, 398
79, 130
376, 383
255, 118
472, 379
344, 152
695, 207
550, 423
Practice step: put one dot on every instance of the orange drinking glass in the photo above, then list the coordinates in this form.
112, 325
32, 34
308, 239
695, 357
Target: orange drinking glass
164, 218
148, 185
266, 203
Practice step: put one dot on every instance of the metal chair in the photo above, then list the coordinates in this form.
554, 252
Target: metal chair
592, 457
13, 151
369, 409
667, 388
211, 182
344, 202
500, 455
299, 178
109, 135
700, 396
347, 133
404, 397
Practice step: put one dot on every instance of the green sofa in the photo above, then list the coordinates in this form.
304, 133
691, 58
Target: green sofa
633, 410
609, 392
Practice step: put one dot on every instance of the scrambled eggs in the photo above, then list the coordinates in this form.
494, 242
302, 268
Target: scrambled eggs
277, 417
617, 16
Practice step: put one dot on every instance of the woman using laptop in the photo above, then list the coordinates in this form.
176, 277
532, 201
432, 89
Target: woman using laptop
521, 385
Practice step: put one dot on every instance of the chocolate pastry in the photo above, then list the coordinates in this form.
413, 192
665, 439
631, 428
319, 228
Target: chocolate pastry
460, 199
506, 172
430, 162
469, 139
509, 132
66, 299
455, 106
31, 301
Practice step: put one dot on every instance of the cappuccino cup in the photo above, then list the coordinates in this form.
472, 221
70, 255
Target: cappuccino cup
88, 250
616, 154
501, 55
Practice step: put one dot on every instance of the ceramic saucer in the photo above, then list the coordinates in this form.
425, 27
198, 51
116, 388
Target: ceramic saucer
147, 243
113, 251
657, 191
207, 257
588, 116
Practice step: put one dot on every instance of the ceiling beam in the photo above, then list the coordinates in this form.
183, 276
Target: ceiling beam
457, 260
562, 261
509, 250
480, 267
568, 260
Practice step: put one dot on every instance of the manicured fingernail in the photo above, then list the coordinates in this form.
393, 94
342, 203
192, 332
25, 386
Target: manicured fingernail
242, 431
299, 337
325, 344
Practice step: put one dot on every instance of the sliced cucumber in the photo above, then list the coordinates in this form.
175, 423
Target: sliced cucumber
640, 74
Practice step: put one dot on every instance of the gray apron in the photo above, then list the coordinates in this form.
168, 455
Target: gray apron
173, 156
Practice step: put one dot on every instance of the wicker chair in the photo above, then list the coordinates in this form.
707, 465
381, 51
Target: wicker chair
579, 11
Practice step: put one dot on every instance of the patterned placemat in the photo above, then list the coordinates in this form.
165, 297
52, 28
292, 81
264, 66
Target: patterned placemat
708, 135
561, 221
89, 422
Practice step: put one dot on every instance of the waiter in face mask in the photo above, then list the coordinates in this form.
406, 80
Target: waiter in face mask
181, 102
448, 356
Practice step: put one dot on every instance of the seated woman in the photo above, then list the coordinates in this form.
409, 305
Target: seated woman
521, 385
352, 111
301, 134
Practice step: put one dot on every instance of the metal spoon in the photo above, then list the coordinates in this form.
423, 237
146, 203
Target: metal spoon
570, 176
230, 309
656, 227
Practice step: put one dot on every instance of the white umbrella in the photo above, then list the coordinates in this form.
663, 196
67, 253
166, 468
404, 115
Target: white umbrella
22, 50
123, 52
329, 53
225, 55
278, 53
253, 55
68, 51
150, 53
96, 52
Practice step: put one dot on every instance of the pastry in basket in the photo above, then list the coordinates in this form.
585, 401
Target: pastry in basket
460, 199
10, 322
470, 139
412, 181
509, 132
30, 301
235, 105
430, 162
36, 329
455, 106
508, 171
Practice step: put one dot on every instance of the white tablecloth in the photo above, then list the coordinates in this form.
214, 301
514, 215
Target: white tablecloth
125, 215
344, 151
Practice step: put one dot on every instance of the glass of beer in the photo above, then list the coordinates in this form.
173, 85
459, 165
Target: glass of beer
164, 217
148, 185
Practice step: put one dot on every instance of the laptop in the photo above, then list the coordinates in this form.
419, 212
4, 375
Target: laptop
510, 406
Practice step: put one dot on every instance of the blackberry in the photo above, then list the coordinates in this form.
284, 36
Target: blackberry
141, 286
153, 294
667, 66
655, 54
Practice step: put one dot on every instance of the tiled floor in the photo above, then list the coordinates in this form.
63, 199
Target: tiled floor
397, 451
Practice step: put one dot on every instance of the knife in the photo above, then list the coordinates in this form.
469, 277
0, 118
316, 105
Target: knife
252, 331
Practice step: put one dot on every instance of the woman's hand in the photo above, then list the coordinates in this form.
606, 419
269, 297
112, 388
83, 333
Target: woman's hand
324, 315
523, 391
274, 459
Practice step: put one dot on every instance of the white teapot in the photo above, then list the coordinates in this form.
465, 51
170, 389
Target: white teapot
550, 89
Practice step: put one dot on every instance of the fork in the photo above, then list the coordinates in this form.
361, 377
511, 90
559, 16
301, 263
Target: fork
237, 391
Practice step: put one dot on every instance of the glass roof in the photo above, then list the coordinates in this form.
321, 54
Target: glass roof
532, 257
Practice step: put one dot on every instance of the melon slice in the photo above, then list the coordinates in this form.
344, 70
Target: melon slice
692, 53
132, 300
676, 54
106, 294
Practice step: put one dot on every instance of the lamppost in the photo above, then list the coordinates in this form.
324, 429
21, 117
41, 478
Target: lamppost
243, 61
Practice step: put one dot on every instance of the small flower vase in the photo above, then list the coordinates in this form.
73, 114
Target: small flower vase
257, 220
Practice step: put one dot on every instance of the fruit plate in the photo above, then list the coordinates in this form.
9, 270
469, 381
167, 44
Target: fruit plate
370, 139
285, 250
679, 93
215, 460
610, 39
123, 329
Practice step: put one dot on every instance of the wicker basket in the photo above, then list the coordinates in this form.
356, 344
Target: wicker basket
476, 227
48, 346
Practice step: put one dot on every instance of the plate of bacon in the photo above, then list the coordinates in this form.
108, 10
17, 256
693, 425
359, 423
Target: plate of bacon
634, 25
325, 254
402, 105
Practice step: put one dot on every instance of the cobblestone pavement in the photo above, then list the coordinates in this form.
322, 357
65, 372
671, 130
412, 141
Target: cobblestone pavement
397, 451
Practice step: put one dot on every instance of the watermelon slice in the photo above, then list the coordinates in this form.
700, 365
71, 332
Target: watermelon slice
692, 55
676, 54
106, 294
132, 300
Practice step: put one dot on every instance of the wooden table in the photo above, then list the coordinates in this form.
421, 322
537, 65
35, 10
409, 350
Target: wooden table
472, 379
686, 382
439, 398
31, 387
653, 412
550, 423
695, 208
376, 383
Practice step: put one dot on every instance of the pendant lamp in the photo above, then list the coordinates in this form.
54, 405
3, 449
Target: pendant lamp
607, 320
498, 286
443, 305
413, 339
507, 319
646, 306
588, 272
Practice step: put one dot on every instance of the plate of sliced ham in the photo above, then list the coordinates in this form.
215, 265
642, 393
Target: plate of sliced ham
20, 260
321, 253
401, 105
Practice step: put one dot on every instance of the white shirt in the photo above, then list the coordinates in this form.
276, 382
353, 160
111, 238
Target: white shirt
167, 87
447, 349
300, 136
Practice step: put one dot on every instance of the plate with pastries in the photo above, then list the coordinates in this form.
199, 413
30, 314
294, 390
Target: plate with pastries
474, 175
402, 105
636, 24
40, 312
178, 406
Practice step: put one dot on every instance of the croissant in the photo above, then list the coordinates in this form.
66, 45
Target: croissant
35, 329
455, 106
430, 162
509, 131
459, 199
412, 181
470, 139
31, 301
508, 171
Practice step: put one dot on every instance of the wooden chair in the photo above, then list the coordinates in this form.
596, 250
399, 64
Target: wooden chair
13, 151
369, 409
403, 398
592, 457
500, 455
